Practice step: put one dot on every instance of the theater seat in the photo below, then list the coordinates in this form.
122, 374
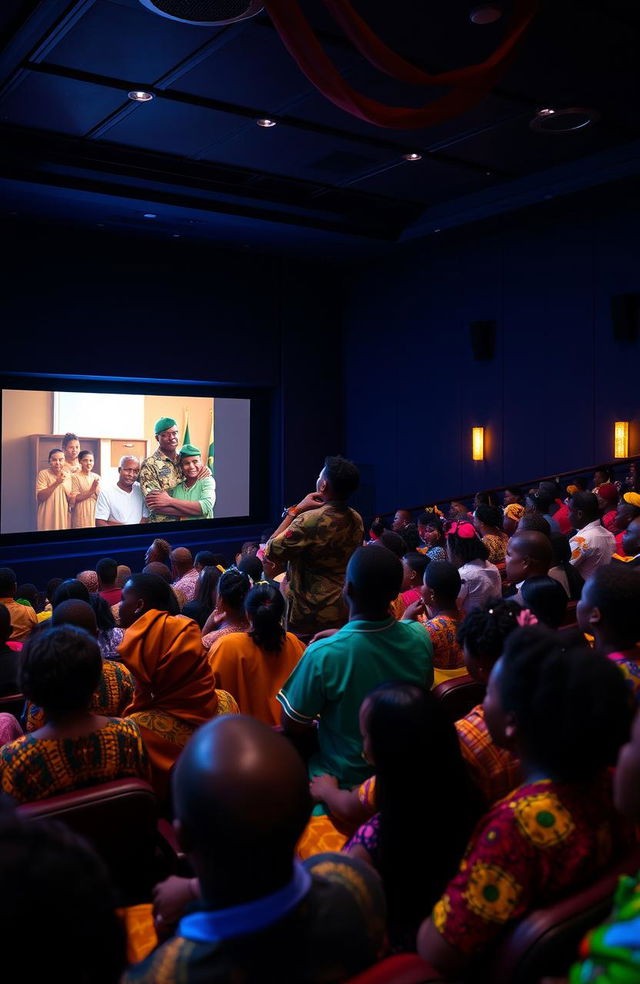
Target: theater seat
120, 819
545, 944
459, 696
13, 704
404, 968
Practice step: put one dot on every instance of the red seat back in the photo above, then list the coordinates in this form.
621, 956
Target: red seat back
404, 968
460, 695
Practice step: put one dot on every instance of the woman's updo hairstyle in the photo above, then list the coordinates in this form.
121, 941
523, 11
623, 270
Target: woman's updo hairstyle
233, 588
265, 607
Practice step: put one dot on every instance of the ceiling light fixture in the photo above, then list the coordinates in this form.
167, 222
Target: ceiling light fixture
412, 156
149, 215
488, 13
139, 95
563, 120
266, 122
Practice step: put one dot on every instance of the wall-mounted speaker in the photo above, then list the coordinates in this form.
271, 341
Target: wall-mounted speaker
625, 317
483, 339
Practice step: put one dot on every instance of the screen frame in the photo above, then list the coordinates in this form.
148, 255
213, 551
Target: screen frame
261, 416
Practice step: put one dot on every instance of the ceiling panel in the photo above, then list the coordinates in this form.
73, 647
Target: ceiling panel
173, 127
423, 181
59, 104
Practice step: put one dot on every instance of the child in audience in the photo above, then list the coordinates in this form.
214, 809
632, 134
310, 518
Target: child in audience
610, 611
565, 715
254, 665
441, 587
420, 780
414, 565
482, 635
228, 615
480, 579
432, 535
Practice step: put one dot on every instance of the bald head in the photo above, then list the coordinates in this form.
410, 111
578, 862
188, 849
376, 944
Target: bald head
181, 561
529, 554
77, 613
240, 784
155, 567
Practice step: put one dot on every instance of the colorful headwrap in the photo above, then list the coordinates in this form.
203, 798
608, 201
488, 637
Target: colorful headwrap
90, 580
163, 424
633, 498
188, 450
608, 492
514, 511
463, 529
434, 510
572, 489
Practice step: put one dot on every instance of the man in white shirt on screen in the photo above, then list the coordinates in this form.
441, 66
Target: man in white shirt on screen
122, 504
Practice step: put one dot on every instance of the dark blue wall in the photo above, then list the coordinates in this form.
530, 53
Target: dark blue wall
107, 305
558, 381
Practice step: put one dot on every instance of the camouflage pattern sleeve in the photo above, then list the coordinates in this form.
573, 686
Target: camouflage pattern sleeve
149, 478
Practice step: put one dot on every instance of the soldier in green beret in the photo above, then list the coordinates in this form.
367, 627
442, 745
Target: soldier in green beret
161, 472
195, 496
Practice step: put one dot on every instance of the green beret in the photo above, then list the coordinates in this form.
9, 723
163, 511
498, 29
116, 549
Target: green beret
163, 424
187, 450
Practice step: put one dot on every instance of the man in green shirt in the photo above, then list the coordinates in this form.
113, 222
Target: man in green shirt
335, 674
195, 497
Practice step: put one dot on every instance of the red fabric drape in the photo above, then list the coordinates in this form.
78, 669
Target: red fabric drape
303, 45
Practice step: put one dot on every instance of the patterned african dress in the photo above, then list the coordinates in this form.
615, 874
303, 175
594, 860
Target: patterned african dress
496, 544
317, 547
629, 663
610, 954
113, 694
34, 768
448, 657
542, 841
159, 473
494, 770
173, 729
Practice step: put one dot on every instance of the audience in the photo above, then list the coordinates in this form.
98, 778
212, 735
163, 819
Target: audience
592, 545
440, 590
9, 658
565, 715
23, 618
107, 571
534, 522
158, 552
60, 670
631, 543
185, 575
546, 599
254, 665
529, 554
488, 522
609, 610
414, 565
431, 533
480, 579
229, 614
205, 597
513, 509
562, 570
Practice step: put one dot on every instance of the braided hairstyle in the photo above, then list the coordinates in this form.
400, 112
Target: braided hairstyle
484, 631
265, 607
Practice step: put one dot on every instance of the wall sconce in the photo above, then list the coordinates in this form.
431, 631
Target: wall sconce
477, 443
621, 439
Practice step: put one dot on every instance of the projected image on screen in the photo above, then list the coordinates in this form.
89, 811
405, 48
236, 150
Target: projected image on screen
87, 460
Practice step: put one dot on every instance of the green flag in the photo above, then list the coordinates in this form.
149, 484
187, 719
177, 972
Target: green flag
210, 453
187, 437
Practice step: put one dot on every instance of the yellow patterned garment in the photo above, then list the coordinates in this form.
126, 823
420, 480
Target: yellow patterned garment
535, 845
33, 768
174, 729
113, 694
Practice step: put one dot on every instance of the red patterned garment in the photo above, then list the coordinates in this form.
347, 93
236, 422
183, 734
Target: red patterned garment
494, 770
542, 841
447, 653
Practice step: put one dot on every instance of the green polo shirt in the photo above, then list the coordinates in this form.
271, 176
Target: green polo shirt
334, 676
202, 491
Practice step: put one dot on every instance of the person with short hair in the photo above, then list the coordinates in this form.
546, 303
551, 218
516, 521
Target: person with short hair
438, 606
631, 544
592, 545
185, 575
513, 509
85, 487
609, 610
107, 570
316, 539
480, 580
254, 665
60, 669
431, 533
541, 503
414, 565
53, 493
241, 802
70, 444
401, 519
562, 570
534, 522
565, 714
546, 599
529, 554
122, 504
192, 498
488, 522
158, 551
607, 496
482, 635
9, 658
204, 558
23, 618
175, 689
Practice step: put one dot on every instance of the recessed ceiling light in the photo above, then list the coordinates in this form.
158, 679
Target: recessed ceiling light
149, 215
563, 120
436, 230
175, 235
412, 157
487, 13
139, 95
266, 122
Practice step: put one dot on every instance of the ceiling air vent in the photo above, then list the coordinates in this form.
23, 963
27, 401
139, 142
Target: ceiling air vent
204, 12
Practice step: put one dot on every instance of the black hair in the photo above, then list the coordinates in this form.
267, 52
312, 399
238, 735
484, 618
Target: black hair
393, 542
107, 570
514, 490
417, 562
560, 548
541, 500
59, 670
31, 594
342, 475
434, 522
249, 548
615, 590
207, 585
233, 588
489, 515
5, 624
69, 437
604, 470
52, 586
252, 566
80, 936
163, 549
546, 598
377, 526
484, 630
405, 723
581, 483
375, 574
572, 707
487, 499
444, 579
83, 454
155, 592
411, 537
467, 549
204, 558
71, 588
586, 503
265, 606
8, 582
157, 568
220, 560
102, 610
54, 451
534, 521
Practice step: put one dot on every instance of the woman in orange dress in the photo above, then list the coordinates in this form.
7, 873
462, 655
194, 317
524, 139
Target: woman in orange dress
53, 491
85, 485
